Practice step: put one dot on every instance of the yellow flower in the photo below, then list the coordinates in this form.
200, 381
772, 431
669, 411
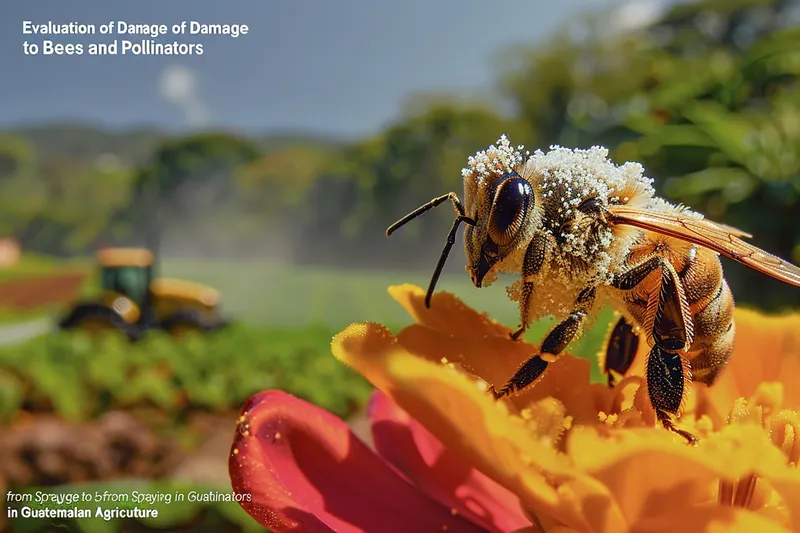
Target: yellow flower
566, 455
585, 457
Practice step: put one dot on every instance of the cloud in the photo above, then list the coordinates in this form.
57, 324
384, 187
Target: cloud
178, 85
636, 14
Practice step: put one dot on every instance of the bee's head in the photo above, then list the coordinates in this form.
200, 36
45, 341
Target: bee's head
502, 212
498, 207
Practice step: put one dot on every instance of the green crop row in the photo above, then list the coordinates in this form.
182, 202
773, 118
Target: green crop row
79, 377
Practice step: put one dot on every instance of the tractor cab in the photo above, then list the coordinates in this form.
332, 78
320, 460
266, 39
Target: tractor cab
127, 272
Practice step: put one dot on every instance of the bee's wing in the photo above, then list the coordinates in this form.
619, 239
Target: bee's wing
718, 237
736, 232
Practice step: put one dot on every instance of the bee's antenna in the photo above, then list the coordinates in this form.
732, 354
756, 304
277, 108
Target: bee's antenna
453, 197
451, 237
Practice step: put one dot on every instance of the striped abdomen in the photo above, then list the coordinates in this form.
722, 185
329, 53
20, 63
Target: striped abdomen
707, 296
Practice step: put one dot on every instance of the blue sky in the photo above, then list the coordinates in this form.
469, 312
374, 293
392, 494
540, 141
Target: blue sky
338, 68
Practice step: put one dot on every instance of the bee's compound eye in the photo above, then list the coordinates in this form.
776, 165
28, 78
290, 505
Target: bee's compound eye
511, 203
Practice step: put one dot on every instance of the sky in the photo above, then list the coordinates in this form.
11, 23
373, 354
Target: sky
340, 68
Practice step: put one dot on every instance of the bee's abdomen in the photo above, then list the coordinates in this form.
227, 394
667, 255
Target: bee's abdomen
711, 305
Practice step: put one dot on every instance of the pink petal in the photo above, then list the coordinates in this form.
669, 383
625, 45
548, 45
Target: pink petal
307, 472
428, 464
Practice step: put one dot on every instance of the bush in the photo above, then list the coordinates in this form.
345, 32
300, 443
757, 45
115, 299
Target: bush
78, 377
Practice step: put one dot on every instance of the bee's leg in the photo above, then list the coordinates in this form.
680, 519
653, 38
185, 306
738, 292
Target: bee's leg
666, 383
622, 343
555, 343
534, 259
668, 374
620, 350
631, 278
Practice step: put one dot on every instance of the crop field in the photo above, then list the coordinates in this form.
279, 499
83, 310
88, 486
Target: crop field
174, 403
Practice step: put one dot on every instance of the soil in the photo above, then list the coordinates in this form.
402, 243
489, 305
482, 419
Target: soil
43, 450
42, 291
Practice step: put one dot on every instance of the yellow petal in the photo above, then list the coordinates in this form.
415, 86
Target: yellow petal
567, 379
471, 423
496, 358
708, 519
767, 348
715, 401
786, 482
764, 344
447, 313
649, 469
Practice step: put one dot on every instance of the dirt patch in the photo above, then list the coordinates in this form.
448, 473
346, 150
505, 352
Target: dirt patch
209, 464
47, 451
33, 293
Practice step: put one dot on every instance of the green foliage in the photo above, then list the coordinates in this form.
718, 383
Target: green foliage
421, 155
188, 180
16, 158
79, 377
706, 98
283, 177
20, 196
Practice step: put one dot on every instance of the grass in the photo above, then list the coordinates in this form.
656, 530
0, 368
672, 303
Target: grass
279, 295
31, 265
8, 316
275, 296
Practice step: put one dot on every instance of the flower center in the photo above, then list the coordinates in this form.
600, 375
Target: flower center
783, 428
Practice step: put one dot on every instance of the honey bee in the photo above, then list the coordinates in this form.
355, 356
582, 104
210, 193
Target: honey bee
584, 232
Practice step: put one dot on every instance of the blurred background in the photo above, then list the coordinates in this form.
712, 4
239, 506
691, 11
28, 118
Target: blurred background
269, 167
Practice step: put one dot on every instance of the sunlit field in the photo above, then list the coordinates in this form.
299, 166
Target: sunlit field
271, 295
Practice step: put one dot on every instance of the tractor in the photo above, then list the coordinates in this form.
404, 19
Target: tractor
132, 301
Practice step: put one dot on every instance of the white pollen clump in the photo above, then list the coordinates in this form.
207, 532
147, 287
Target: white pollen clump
494, 162
578, 174
569, 177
